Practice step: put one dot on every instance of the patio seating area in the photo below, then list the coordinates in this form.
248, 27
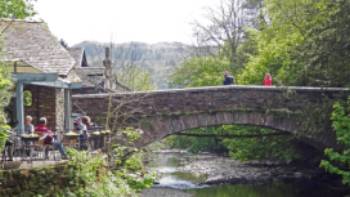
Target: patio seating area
30, 149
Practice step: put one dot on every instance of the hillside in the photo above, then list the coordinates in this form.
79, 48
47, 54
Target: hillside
159, 59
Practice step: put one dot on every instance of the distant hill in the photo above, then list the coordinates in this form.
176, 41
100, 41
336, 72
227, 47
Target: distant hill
159, 59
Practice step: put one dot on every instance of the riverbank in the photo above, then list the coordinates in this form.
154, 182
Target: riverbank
182, 174
219, 170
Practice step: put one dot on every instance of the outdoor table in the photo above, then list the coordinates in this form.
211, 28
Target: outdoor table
29, 140
70, 139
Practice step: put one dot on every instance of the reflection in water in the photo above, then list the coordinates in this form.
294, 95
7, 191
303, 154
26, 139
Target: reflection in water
164, 170
244, 190
265, 190
175, 182
169, 167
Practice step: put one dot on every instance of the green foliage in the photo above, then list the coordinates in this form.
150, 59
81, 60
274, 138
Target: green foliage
18, 9
5, 86
136, 175
248, 48
195, 144
129, 166
304, 43
131, 134
128, 162
325, 52
259, 148
339, 161
89, 175
27, 98
200, 71
135, 78
276, 147
134, 163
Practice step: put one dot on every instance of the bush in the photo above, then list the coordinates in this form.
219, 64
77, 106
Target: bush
339, 161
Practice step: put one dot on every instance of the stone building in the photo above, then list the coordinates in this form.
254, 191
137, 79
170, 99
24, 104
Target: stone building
47, 70
95, 78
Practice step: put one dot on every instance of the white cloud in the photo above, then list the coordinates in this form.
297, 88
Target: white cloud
127, 20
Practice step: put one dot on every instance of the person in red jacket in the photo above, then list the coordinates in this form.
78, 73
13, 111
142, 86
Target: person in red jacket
267, 80
47, 136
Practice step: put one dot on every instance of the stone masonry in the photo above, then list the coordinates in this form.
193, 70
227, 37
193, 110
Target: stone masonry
302, 111
47, 102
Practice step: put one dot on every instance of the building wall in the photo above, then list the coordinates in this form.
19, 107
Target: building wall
59, 109
47, 102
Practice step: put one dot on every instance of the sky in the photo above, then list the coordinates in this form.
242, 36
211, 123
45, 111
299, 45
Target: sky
149, 21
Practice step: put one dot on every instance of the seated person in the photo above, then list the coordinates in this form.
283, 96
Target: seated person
47, 136
81, 128
89, 126
10, 142
86, 120
28, 126
28, 129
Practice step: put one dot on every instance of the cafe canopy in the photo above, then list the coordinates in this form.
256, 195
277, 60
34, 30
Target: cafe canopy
24, 74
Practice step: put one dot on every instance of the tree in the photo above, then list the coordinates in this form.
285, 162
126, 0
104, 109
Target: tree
17, 9
135, 78
225, 27
200, 71
276, 42
325, 52
303, 43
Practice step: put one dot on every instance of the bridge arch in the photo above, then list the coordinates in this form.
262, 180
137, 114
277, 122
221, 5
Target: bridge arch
302, 111
157, 128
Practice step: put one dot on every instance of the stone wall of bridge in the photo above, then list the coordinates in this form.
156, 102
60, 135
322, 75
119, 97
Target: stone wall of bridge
303, 111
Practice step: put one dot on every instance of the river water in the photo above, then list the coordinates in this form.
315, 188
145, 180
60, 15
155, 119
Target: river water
176, 180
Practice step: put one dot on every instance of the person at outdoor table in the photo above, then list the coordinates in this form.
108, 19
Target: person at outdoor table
28, 126
83, 135
89, 126
28, 129
47, 136
86, 120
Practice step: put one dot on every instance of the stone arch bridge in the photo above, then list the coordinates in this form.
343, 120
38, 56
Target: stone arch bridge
302, 111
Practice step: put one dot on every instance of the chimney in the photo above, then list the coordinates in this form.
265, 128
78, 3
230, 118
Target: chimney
108, 74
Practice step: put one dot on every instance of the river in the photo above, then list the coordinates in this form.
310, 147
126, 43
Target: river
181, 174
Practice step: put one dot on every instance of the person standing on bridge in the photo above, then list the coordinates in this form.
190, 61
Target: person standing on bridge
267, 80
228, 79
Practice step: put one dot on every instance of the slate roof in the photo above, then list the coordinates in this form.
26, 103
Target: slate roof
90, 76
77, 54
33, 43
